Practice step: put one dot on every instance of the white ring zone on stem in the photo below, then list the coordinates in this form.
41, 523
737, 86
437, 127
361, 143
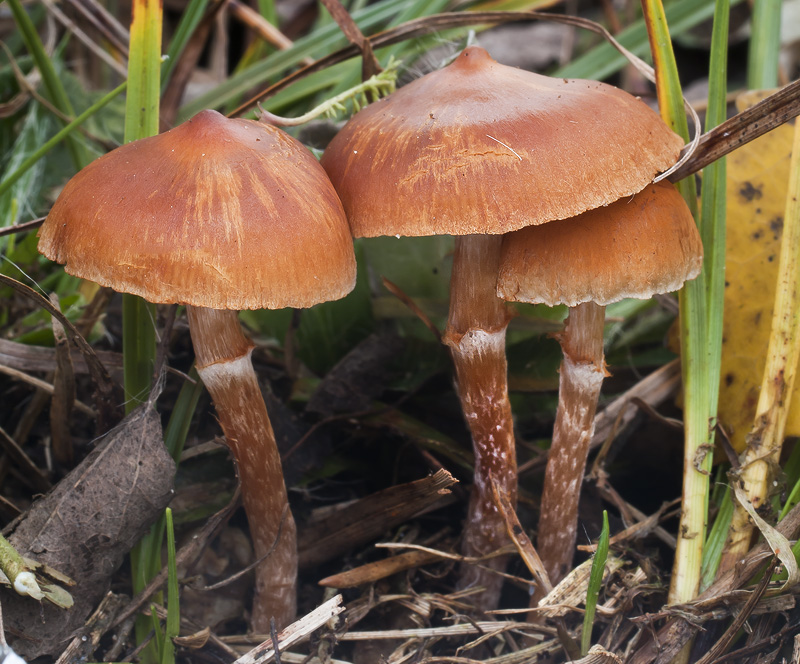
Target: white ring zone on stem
476, 342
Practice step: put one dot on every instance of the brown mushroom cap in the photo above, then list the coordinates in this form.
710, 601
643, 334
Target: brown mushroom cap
636, 247
479, 147
218, 213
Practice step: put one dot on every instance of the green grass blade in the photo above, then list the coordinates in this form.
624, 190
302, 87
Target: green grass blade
715, 544
158, 634
712, 216
792, 470
400, 51
765, 44
595, 583
146, 556
268, 10
712, 231
141, 121
52, 82
182, 413
190, 19
173, 625
322, 41
138, 348
604, 60
138, 316
144, 71
694, 354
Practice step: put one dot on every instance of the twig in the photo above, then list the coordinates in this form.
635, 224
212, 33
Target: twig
369, 63
294, 633
725, 640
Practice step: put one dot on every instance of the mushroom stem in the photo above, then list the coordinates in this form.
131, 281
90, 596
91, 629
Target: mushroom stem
476, 332
223, 361
581, 376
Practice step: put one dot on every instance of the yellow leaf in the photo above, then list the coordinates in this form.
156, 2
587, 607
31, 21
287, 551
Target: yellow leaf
758, 176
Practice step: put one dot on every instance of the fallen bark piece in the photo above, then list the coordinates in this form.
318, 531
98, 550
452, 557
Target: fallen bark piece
358, 379
359, 522
86, 525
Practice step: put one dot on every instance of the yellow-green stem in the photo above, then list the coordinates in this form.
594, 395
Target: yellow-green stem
694, 353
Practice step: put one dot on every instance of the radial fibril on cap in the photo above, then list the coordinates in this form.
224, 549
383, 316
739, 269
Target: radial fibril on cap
215, 213
638, 247
480, 147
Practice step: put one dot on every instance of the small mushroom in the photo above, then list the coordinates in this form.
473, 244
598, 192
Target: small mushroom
219, 215
475, 150
637, 247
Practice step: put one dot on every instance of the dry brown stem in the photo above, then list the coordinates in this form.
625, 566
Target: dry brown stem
223, 362
476, 332
582, 373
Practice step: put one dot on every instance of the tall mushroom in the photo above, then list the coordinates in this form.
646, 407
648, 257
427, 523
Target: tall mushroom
637, 247
475, 150
219, 215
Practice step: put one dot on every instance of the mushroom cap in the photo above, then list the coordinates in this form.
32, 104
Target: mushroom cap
636, 247
217, 213
479, 147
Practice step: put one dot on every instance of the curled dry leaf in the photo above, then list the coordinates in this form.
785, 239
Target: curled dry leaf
86, 524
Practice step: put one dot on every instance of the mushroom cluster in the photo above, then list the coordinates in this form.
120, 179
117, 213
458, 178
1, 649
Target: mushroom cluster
545, 185
478, 150
219, 215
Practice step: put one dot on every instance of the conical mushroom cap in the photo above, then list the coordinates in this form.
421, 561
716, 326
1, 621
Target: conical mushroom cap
637, 247
218, 213
479, 147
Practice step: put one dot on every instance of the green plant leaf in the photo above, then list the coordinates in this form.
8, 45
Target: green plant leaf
604, 60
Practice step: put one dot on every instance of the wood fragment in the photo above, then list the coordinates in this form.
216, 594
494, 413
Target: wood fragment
369, 63
570, 593
297, 632
43, 385
363, 520
25, 357
598, 655
82, 647
64, 395
379, 569
521, 541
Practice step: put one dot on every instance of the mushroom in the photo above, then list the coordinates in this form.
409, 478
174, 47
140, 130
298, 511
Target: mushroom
637, 247
219, 215
475, 150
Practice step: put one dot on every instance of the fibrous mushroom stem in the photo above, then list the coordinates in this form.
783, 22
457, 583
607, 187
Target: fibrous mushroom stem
223, 361
476, 332
581, 376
